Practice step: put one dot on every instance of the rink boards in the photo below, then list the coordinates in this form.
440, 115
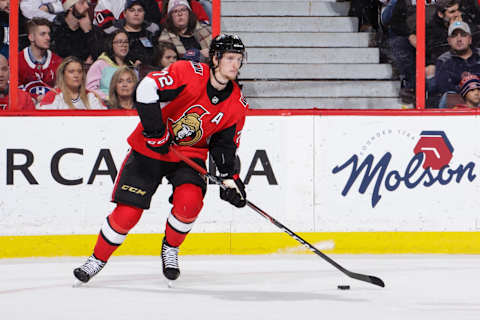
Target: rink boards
368, 184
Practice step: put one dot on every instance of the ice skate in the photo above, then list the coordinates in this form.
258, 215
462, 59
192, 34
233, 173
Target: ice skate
170, 267
89, 269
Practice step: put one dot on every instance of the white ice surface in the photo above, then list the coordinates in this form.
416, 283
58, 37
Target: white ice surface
294, 287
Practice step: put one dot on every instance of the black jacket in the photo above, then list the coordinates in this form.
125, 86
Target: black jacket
66, 42
403, 18
141, 43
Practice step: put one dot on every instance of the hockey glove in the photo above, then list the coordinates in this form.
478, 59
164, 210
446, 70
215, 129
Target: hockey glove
234, 191
159, 143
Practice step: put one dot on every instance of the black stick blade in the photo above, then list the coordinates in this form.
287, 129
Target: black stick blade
363, 277
377, 281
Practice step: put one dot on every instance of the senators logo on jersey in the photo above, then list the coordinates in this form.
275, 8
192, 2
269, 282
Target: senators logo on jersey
188, 129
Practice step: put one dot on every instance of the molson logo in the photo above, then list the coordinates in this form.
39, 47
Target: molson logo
430, 164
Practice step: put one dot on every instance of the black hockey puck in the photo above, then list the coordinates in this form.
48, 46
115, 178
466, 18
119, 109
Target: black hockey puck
343, 287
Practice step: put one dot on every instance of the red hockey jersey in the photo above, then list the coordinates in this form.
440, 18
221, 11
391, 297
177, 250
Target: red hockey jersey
198, 117
25, 102
37, 79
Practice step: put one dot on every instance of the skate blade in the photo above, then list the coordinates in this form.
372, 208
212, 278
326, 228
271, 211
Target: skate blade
77, 283
170, 283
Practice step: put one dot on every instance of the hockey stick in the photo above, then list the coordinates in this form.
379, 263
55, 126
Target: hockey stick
362, 277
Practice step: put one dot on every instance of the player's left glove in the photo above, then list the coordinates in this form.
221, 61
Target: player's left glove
234, 191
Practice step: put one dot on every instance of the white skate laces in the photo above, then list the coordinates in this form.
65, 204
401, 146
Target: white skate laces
89, 269
170, 256
171, 271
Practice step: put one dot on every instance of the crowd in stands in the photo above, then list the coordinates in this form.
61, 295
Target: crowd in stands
81, 54
451, 48
100, 38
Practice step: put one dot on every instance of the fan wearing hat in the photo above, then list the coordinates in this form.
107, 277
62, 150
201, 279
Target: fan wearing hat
107, 12
436, 42
459, 59
460, 38
470, 89
78, 8
184, 30
142, 34
202, 9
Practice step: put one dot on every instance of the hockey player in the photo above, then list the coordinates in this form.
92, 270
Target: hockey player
205, 114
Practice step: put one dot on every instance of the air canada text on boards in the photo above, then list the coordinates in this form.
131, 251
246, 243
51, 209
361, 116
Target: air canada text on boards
19, 166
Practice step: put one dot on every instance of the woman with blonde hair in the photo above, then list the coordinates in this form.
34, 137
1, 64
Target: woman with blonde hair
70, 91
122, 88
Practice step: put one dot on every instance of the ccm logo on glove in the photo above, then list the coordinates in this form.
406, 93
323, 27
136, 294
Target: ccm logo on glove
157, 142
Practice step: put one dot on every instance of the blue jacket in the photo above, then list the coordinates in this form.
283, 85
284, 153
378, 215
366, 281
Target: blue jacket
449, 69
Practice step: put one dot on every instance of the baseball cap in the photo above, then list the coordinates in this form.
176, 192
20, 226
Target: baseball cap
458, 25
130, 3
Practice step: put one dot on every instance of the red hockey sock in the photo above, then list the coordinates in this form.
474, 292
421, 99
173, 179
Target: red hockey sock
187, 203
115, 229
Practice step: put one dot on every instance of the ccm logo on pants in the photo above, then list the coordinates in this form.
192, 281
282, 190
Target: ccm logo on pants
133, 190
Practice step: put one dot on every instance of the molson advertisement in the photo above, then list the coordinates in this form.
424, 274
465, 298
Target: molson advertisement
350, 184
398, 173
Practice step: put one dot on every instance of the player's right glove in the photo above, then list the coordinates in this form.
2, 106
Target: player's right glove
234, 191
157, 142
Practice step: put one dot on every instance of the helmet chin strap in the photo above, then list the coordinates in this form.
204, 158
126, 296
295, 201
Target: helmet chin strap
216, 79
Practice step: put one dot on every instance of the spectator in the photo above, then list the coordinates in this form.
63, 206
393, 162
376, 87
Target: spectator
115, 56
397, 18
5, 6
165, 55
141, 33
4, 27
74, 35
107, 11
470, 90
36, 63
184, 31
467, 95
452, 64
197, 8
70, 91
447, 11
123, 84
47, 9
25, 102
